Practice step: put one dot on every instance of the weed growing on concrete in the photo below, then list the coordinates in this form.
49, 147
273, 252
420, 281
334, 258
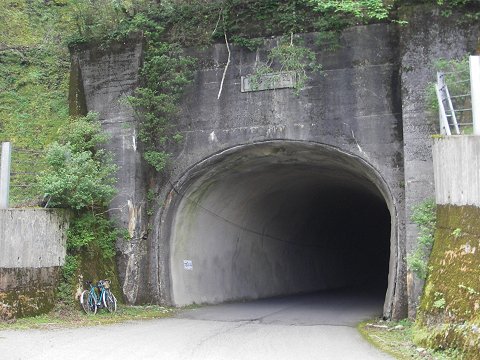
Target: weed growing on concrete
424, 215
397, 339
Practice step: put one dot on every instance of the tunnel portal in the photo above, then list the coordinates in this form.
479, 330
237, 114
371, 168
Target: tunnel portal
278, 218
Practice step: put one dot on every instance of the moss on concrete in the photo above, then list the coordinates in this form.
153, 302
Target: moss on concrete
22, 303
30, 291
92, 266
449, 313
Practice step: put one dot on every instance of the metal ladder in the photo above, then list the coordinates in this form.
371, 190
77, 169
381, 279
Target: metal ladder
448, 117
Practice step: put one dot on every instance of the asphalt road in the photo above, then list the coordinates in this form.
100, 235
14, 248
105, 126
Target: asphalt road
316, 326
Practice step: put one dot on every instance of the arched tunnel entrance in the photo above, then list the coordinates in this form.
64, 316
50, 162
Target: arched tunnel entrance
278, 218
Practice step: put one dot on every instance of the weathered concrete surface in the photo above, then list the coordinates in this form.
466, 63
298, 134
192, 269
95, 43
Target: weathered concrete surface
32, 238
368, 104
107, 78
309, 327
454, 264
276, 218
456, 163
32, 249
353, 109
27, 291
426, 38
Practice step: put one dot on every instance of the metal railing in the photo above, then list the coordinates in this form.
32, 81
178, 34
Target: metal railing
19, 170
458, 95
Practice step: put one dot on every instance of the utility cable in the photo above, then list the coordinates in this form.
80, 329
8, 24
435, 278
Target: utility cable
241, 227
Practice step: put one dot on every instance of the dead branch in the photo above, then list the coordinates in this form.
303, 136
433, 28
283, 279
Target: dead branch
226, 66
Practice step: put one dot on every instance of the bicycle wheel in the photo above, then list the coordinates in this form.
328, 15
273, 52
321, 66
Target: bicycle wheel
109, 301
88, 303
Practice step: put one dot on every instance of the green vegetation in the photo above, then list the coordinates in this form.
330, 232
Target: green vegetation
79, 177
76, 173
66, 317
397, 339
79, 173
287, 57
165, 72
34, 65
448, 316
424, 215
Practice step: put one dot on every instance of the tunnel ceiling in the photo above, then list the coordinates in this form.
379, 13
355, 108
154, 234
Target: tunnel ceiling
277, 218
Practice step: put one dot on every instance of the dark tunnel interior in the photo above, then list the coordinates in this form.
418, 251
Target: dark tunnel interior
279, 220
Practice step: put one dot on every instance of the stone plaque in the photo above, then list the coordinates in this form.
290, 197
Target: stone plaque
272, 81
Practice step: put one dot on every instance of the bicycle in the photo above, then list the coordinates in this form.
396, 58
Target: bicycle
91, 302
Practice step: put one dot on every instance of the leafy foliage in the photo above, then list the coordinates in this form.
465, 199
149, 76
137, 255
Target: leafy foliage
66, 286
288, 57
166, 72
94, 230
363, 10
424, 215
79, 175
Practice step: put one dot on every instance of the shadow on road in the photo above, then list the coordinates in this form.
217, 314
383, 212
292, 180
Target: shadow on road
333, 307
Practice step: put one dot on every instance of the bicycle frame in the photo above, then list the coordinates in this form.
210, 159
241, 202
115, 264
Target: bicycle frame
93, 292
91, 299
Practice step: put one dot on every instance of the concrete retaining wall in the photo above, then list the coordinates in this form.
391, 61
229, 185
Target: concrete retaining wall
456, 161
32, 250
426, 38
452, 294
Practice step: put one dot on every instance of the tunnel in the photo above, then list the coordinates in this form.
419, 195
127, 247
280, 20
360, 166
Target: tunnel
278, 218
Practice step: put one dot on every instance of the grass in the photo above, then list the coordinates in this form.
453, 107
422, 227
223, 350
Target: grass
396, 339
65, 317
34, 74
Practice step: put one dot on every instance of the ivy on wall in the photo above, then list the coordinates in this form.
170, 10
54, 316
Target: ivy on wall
169, 26
424, 216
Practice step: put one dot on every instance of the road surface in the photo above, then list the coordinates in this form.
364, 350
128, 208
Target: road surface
316, 326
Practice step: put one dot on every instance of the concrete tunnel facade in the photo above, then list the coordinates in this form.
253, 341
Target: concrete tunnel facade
269, 192
358, 132
277, 218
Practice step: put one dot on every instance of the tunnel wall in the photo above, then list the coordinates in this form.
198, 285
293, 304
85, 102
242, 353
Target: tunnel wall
238, 264
353, 105
277, 218
369, 101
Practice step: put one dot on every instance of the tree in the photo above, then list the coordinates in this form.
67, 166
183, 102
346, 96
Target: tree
79, 174
361, 9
